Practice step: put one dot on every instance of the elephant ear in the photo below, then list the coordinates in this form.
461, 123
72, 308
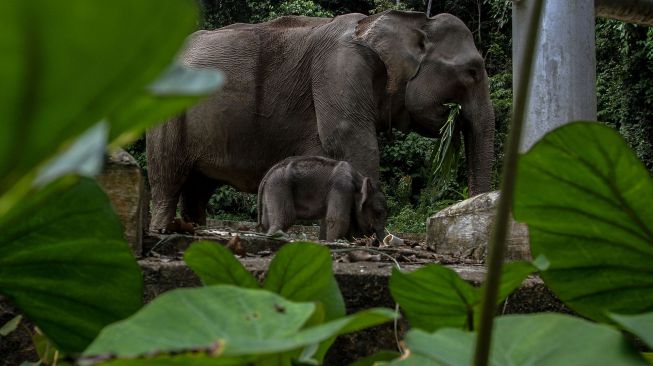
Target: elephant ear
397, 38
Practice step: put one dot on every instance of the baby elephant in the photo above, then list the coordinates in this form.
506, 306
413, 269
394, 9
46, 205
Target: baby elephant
314, 187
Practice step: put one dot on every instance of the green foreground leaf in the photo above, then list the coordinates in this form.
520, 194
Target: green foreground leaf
640, 325
226, 324
214, 264
585, 198
303, 271
65, 67
64, 263
542, 340
433, 297
174, 91
299, 272
436, 297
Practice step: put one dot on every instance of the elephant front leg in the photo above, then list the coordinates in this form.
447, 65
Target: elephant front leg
338, 216
163, 212
167, 170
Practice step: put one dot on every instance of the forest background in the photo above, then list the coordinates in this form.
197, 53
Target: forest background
624, 91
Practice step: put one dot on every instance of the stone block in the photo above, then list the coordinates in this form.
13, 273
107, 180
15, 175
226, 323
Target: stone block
124, 183
465, 228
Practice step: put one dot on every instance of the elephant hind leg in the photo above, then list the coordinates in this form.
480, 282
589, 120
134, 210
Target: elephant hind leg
278, 209
195, 196
167, 171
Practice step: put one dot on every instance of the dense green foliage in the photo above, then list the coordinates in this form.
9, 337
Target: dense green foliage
625, 83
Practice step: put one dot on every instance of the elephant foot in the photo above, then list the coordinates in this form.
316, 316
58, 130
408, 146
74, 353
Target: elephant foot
178, 226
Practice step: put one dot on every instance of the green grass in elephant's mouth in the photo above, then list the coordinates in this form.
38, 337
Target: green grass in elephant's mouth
444, 159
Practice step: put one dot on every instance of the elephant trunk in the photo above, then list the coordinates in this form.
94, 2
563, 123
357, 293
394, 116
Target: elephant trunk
478, 132
380, 234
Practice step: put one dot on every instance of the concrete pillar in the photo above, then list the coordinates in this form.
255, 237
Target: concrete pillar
563, 86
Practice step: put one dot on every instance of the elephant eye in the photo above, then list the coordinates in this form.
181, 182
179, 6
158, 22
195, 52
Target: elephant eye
473, 73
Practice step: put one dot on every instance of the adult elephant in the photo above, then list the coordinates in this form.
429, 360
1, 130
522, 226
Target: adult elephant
317, 86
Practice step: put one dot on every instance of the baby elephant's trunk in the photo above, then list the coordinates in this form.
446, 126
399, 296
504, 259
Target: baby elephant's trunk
380, 234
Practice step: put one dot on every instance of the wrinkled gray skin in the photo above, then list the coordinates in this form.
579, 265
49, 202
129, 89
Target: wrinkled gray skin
317, 86
314, 187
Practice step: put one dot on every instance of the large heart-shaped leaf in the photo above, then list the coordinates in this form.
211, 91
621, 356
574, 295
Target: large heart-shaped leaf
303, 272
64, 263
640, 325
435, 296
299, 272
538, 340
216, 265
84, 157
229, 324
586, 199
66, 66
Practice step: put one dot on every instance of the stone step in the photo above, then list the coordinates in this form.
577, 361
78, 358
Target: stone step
296, 231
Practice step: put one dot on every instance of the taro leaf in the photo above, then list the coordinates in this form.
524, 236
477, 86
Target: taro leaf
64, 68
640, 325
178, 88
433, 297
303, 272
221, 324
586, 199
299, 272
512, 276
64, 263
85, 156
540, 339
216, 265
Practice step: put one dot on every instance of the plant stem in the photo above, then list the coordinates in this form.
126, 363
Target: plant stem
498, 241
